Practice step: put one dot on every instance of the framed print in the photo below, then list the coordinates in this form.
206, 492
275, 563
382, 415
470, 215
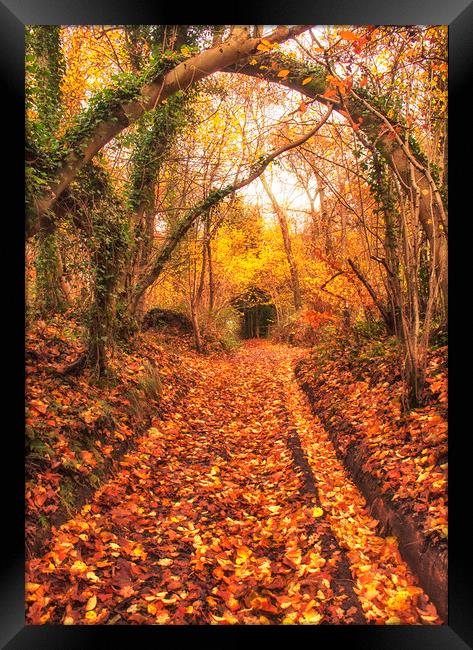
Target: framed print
232, 289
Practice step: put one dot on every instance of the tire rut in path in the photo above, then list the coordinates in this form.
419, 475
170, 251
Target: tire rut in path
215, 518
329, 543
388, 589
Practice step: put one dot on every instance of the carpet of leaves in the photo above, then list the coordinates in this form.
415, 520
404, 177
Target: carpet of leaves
209, 520
408, 454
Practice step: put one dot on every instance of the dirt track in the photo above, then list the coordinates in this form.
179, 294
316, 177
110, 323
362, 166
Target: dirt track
236, 510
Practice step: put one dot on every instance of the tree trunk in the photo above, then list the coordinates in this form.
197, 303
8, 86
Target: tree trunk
200, 290
324, 218
382, 309
50, 295
296, 291
211, 278
195, 325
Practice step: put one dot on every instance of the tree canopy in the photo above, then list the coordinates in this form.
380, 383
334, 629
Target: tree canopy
144, 149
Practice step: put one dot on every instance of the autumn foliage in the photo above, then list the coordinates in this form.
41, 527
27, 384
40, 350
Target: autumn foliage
237, 307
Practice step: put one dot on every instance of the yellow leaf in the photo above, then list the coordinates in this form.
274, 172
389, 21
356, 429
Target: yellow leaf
169, 601
45, 617
394, 620
253, 62
90, 575
32, 586
78, 567
152, 609
68, 620
400, 600
91, 616
312, 618
91, 603
288, 620
283, 73
243, 553
307, 81
317, 512
139, 552
371, 593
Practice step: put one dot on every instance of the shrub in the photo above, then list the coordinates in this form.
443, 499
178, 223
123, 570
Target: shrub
167, 320
151, 383
222, 330
369, 329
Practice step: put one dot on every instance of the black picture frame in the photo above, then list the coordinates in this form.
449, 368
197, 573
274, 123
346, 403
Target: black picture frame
14, 14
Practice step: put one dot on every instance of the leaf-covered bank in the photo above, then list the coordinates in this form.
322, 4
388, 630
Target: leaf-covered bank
77, 430
400, 461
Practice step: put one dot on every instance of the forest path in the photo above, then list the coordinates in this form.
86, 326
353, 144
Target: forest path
235, 511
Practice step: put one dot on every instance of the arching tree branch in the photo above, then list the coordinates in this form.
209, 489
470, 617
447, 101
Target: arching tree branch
123, 113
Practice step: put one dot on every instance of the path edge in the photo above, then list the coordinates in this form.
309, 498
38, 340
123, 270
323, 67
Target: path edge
428, 561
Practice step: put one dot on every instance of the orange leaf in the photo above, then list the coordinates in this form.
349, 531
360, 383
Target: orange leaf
348, 35
331, 92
